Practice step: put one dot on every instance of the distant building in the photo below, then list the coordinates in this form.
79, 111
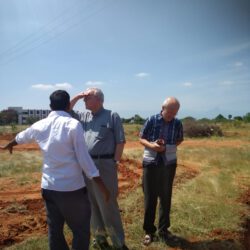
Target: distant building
27, 115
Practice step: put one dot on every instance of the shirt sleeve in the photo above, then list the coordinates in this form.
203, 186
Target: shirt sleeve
26, 136
145, 129
179, 136
82, 155
118, 129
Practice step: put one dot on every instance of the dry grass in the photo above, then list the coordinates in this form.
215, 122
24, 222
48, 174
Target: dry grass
207, 209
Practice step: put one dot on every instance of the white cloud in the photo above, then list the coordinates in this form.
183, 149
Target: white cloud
227, 83
94, 83
142, 75
42, 86
64, 85
187, 84
52, 86
238, 64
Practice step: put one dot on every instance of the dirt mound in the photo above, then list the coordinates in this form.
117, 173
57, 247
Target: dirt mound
21, 219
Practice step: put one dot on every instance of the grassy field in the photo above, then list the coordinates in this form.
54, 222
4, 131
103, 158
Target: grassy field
209, 210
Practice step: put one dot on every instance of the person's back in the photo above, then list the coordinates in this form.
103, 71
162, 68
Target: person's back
55, 136
65, 157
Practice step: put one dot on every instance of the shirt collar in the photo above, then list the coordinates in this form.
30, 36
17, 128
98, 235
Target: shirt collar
98, 112
58, 113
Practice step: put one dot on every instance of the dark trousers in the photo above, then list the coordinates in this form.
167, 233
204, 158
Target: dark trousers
73, 208
157, 183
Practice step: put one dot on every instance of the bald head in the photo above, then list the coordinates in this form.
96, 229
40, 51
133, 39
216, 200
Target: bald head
171, 102
170, 108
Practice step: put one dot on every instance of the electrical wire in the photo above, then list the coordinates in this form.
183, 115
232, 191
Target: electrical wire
36, 39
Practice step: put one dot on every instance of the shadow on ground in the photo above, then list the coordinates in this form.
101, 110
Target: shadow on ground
215, 244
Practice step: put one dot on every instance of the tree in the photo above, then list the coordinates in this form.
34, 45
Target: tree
238, 118
188, 119
230, 117
220, 118
8, 116
31, 120
246, 117
138, 119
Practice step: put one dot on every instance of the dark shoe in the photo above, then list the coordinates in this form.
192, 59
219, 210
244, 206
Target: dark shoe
170, 239
101, 245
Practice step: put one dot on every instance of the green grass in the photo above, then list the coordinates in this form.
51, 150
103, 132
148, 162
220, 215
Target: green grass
12, 128
34, 243
132, 131
20, 163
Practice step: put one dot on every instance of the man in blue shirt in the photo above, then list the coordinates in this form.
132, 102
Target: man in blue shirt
105, 140
160, 135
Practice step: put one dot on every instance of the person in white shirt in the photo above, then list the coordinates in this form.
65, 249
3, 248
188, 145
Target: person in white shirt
65, 158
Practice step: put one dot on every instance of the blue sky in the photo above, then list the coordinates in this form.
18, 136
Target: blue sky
137, 51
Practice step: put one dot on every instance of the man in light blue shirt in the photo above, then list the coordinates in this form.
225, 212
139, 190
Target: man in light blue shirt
105, 139
61, 140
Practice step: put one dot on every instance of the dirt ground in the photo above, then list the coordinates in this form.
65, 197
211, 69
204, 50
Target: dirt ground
22, 212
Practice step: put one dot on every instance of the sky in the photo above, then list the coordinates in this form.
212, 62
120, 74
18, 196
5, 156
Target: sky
138, 52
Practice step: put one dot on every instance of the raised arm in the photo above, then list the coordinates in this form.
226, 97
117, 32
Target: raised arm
75, 99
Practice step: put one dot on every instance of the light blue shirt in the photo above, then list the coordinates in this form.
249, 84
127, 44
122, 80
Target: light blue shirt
65, 155
102, 131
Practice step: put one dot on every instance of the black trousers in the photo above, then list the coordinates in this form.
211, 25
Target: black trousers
74, 209
157, 183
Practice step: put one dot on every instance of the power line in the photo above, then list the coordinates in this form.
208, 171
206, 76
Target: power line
72, 21
21, 43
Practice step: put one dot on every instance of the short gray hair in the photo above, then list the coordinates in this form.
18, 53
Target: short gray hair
97, 92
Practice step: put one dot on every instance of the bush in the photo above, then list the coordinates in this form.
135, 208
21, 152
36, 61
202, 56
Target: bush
196, 129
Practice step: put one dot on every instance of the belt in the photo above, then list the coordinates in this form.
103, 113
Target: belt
105, 156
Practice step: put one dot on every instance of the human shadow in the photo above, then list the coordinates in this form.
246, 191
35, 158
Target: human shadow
213, 244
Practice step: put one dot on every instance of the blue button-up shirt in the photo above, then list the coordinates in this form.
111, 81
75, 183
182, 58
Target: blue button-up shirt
156, 128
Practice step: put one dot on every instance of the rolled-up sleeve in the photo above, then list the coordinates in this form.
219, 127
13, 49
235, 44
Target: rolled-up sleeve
26, 136
118, 129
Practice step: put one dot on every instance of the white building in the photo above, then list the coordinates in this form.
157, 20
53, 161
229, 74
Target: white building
24, 115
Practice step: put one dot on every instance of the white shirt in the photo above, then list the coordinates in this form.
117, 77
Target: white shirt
65, 155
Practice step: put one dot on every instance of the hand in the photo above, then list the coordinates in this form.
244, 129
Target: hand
102, 187
8, 146
160, 142
158, 147
81, 95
